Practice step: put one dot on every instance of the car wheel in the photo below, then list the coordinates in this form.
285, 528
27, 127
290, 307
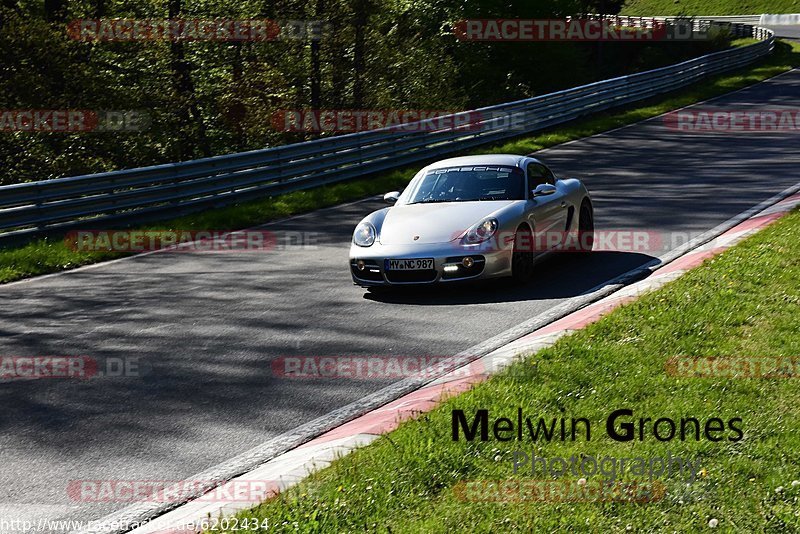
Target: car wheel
522, 256
586, 227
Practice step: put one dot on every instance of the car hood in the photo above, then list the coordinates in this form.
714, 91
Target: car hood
436, 222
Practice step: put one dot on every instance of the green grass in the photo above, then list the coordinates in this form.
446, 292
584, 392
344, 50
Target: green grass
709, 7
745, 302
49, 255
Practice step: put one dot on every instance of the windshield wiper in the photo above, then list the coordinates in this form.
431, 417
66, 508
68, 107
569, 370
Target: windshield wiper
432, 200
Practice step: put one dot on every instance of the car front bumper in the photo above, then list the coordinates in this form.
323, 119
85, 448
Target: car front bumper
368, 265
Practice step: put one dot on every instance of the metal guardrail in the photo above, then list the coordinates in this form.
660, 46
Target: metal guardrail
741, 19
138, 195
763, 20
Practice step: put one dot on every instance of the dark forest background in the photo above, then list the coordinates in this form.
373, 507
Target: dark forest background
210, 98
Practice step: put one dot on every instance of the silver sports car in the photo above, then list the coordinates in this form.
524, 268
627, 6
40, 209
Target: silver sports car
469, 218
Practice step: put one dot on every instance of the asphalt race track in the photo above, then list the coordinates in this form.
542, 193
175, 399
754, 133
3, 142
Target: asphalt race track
205, 327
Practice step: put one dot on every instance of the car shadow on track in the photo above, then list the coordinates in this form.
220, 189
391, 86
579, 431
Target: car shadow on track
559, 277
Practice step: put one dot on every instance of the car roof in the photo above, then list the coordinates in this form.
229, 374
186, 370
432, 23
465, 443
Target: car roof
512, 160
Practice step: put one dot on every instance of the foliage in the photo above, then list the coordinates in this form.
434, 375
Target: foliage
210, 98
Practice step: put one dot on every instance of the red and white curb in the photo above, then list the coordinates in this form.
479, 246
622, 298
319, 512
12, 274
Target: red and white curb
291, 467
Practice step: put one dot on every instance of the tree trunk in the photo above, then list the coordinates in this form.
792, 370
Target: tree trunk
358, 53
188, 110
316, 69
237, 112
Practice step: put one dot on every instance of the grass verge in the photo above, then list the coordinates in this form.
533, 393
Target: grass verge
742, 303
49, 255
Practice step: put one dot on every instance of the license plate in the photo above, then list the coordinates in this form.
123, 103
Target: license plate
408, 265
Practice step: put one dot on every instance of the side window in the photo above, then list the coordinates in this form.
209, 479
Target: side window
549, 176
539, 174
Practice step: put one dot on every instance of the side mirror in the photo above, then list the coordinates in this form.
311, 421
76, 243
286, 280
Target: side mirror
391, 198
543, 190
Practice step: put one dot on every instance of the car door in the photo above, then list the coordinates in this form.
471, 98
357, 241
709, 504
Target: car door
549, 211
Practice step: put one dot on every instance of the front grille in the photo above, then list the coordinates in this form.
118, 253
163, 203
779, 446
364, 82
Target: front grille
428, 275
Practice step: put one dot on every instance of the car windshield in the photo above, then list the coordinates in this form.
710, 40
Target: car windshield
466, 184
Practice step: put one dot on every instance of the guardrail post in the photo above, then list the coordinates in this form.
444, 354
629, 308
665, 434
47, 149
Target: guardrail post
279, 160
231, 189
39, 211
113, 182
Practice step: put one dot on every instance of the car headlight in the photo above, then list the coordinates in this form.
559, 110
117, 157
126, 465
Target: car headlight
364, 236
481, 232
